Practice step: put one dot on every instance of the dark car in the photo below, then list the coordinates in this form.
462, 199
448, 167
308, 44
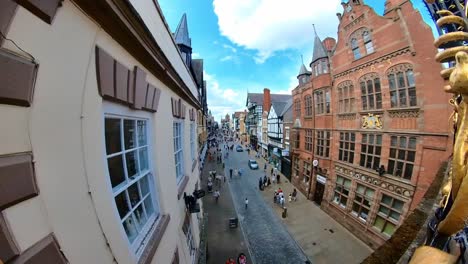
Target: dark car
253, 164
239, 148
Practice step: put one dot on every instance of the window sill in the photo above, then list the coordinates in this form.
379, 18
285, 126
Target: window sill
154, 239
181, 187
371, 111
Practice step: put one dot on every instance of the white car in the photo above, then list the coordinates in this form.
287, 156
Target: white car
253, 164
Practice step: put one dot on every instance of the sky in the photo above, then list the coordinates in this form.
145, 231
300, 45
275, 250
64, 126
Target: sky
249, 45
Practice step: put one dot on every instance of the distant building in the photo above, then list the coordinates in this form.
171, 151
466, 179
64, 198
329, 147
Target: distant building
369, 131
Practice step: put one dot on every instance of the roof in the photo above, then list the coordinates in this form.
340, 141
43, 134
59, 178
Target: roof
181, 34
303, 70
279, 107
280, 97
197, 68
319, 50
288, 106
255, 98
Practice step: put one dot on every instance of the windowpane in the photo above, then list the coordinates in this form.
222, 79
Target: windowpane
389, 229
379, 223
144, 186
369, 47
129, 134
149, 206
384, 210
391, 82
112, 128
141, 133
116, 170
134, 195
387, 200
401, 80
143, 152
402, 96
377, 85
410, 78
412, 96
122, 204
398, 205
132, 168
130, 228
393, 99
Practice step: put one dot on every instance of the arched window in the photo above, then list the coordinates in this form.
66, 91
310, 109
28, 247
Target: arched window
355, 48
371, 94
402, 86
308, 105
368, 42
345, 97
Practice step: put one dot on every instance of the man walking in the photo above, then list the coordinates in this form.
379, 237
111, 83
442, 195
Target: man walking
230, 173
246, 203
216, 195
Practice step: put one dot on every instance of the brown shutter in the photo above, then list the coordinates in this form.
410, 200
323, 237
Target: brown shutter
44, 9
173, 105
17, 76
150, 97
139, 88
105, 73
8, 249
17, 179
121, 82
7, 12
46, 250
156, 98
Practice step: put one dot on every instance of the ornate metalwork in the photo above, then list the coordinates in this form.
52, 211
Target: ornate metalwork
451, 218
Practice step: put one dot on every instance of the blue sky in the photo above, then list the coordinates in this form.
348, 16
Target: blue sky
248, 45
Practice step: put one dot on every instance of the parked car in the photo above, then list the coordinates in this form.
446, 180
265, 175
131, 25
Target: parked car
239, 148
253, 164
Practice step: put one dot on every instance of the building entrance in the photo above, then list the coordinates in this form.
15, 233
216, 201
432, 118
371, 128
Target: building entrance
318, 195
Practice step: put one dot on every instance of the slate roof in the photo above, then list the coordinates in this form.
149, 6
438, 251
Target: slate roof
287, 108
319, 50
255, 98
197, 68
303, 70
181, 34
258, 98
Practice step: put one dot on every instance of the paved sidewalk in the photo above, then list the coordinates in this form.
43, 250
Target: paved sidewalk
322, 238
223, 242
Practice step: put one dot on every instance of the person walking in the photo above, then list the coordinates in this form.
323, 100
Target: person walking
277, 178
246, 202
264, 167
216, 195
230, 173
260, 184
294, 195
271, 172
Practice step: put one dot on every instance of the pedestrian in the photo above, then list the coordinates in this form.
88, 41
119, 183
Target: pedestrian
282, 201
268, 182
230, 173
271, 172
273, 179
294, 195
264, 167
216, 195
260, 184
265, 181
290, 197
246, 203
278, 178
235, 172
240, 172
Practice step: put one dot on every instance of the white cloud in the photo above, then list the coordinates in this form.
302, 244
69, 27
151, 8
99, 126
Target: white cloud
226, 46
222, 101
226, 58
269, 26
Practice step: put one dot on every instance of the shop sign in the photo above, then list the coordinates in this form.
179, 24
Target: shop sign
321, 179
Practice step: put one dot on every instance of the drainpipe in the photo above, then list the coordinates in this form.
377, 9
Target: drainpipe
313, 148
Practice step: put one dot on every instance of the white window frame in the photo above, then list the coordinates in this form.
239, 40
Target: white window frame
192, 140
179, 152
141, 240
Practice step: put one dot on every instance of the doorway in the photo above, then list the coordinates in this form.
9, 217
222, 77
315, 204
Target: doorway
318, 195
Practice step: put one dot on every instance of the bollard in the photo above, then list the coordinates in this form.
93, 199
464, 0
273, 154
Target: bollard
285, 212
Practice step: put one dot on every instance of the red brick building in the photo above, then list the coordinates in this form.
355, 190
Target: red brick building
371, 119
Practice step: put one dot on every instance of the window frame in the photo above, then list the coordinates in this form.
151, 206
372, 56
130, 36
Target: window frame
368, 42
297, 107
387, 218
192, 141
408, 90
308, 139
308, 105
355, 49
346, 98
319, 102
395, 159
370, 93
139, 243
189, 238
180, 178
339, 193
361, 204
322, 143
306, 171
297, 167
374, 155
347, 147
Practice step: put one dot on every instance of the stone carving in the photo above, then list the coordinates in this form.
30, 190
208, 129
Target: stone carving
347, 116
356, 21
372, 121
378, 182
402, 67
403, 113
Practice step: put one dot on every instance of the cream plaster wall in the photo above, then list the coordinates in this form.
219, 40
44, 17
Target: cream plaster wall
64, 129
156, 25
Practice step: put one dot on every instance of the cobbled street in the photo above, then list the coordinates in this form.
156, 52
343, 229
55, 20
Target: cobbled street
268, 240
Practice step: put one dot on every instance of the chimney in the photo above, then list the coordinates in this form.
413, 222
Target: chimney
266, 99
